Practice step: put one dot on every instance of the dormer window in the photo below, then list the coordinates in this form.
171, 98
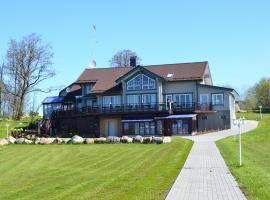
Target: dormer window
86, 88
170, 75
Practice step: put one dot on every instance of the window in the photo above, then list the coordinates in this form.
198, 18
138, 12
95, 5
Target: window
135, 83
217, 99
148, 83
86, 88
149, 98
140, 128
133, 99
204, 117
141, 82
183, 100
111, 100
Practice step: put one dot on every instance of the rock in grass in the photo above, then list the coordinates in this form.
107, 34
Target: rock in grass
100, 140
126, 139
167, 139
77, 139
37, 140
11, 139
89, 141
66, 140
46, 140
26, 141
147, 140
57, 141
3, 142
113, 139
138, 138
158, 140
20, 141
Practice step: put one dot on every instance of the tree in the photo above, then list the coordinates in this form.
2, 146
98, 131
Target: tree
122, 58
263, 92
28, 64
259, 94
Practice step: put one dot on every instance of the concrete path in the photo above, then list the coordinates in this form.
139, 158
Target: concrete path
205, 174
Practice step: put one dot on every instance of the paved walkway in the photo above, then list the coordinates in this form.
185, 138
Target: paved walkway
205, 174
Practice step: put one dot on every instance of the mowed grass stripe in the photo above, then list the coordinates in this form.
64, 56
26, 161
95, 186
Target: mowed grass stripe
109, 171
113, 174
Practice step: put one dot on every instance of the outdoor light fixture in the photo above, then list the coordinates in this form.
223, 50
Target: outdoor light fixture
239, 122
260, 111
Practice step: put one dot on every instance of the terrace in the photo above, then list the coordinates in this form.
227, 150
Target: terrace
136, 108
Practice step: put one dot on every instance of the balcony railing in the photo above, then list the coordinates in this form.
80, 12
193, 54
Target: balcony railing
131, 108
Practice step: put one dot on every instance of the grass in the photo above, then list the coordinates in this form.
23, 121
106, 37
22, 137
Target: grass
254, 176
12, 124
95, 171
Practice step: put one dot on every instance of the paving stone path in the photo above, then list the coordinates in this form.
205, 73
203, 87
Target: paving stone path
205, 174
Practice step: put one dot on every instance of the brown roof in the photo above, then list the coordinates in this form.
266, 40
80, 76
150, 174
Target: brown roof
105, 77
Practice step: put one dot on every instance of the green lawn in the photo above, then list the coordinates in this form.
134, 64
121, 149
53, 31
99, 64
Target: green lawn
254, 175
12, 124
95, 171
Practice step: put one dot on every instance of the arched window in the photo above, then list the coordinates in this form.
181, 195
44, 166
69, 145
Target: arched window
140, 82
147, 83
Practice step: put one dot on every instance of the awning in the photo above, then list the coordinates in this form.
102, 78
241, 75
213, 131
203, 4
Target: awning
53, 100
177, 116
137, 120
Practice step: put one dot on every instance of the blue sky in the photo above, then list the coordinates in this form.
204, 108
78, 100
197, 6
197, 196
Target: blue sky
234, 36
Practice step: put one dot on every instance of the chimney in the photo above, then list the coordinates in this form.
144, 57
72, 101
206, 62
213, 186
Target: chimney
92, 64
133, 61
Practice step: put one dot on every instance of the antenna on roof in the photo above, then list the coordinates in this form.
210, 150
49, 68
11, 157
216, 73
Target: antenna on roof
93, 63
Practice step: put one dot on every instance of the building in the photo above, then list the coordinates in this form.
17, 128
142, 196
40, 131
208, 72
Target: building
169, 99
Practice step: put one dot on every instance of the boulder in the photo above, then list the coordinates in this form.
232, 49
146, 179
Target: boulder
100, 140
57, 141
37, 140
138, 138
20, 141
113, 139
66, 140
11, 139
147, 140
89, 141
167, 139
26, 141
46, 140
158, 140
3, 142
77, 139
126, 139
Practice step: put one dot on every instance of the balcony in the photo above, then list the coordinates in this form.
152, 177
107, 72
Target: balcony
137, 108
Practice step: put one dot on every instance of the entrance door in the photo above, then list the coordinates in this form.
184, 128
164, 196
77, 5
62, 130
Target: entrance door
112, 128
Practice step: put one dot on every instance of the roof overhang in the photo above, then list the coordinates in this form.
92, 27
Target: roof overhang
177, 116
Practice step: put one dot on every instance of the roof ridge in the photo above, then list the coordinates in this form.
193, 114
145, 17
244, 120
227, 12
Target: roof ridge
175, 63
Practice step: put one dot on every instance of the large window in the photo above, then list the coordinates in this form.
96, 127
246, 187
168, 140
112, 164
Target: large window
148, 98
141, 82
217, 99
133, 99
140, 128
183, 99
111, 100
147, 83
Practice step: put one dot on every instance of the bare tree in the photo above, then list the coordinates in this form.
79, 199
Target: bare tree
28, 64
122, 58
